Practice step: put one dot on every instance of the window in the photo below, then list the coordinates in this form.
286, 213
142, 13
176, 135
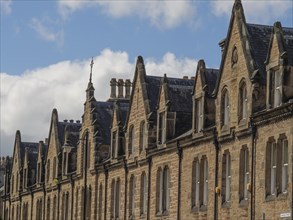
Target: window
143, 194
204, 181
39, 209
48, 170
195, 184
242, 102
114, 144
39, 173
284, 165
115, 199
65, 156
88, 203
142, 139
76, 203
86, 150
163, 191
54, 168
199, 114
100, 202
162, 128
25, 178
131, 140
17, 181
54, 207
271, 167
277, 88
48, 208
226, 177
225, 108
243, 173
131, 197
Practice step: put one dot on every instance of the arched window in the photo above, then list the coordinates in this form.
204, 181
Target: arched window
115, 199
195, 184
226, 177
86, 151
131, 197
100, 202
203, 181
225, 108
163, 190
114, 144
48, 170
143, 194
142, 139
199, 119
131, 140
54, 207
242, 111
243, 173
54, 168
88, 205
48, 208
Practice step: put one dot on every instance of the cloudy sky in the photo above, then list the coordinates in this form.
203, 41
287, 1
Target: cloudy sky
46, 47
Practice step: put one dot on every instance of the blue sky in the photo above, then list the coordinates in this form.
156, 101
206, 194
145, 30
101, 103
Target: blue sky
46, 47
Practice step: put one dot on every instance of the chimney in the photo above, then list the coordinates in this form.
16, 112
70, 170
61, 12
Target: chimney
185, 77
71, 120
192, 77
78, 121
65, 120
46, 141
127, 88
120, 88
222, 45
113, 84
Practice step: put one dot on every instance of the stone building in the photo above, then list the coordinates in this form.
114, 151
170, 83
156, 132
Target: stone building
215, 146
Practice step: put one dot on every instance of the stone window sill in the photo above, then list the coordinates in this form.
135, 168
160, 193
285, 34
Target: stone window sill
243, 203
164, 213
226, 204
142, 216
242, 122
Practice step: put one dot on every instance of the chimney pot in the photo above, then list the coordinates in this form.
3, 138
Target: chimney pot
192, 77
127, 88
71, 120
113, 84
78, 121
185, 77
65, 120
120, 88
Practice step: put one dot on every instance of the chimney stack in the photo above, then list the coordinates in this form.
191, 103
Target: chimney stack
113, 84
120, 88
127, 88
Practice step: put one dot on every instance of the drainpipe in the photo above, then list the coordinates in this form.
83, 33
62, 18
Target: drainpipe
180, 156
149, 187
106, 191
58, 202
85, 175
126, 182
252, 208
217, 148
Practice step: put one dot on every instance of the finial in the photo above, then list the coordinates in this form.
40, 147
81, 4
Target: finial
92, 64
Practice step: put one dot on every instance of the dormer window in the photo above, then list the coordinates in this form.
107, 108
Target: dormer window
131, 141
199, 114
225, 108
162, 128
242, 102
142, 139
277, 89
65, 163
114, 144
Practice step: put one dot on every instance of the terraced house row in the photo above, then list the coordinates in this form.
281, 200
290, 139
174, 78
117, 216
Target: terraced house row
215, 146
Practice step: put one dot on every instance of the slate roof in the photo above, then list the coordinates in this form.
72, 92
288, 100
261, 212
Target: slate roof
180, 94
153, 86
211, 76
288, 37
259, 37
104, 112
123, 108
63, 126
31, 146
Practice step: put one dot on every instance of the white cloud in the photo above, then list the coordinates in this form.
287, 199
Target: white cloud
261, 11
45, 32
162, 14
27, 100
5, 6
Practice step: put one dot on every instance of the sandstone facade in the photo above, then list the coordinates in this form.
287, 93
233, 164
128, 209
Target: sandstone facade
216, 146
